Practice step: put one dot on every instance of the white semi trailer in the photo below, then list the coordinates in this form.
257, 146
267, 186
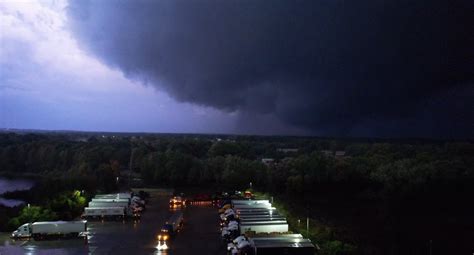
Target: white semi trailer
115, 195
256, 220
42, 230
124, 200
254, 210
109, 204
260, 216
258, 210
263, 227
271, 246
250, 202
104, 212
133, 201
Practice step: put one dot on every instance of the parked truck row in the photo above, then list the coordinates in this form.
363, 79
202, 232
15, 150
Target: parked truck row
255, 227
115, 206
118, 205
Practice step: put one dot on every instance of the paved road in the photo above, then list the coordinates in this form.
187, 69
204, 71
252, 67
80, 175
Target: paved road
199, 235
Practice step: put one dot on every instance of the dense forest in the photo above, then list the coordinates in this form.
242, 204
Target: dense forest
376, 196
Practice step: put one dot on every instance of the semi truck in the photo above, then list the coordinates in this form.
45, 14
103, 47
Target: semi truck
275, 236
246, 222
260, 217
271, 246
109, 204
104, 212
130, 202
255, 210
263, 227
177, 200
138, 200
118, 200
250, 202
263, 213
45, 229
250, 210
115, 196
239, 241
241, 207
119, 196
171, 227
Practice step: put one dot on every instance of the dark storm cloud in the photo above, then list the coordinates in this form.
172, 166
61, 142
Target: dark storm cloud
334, 67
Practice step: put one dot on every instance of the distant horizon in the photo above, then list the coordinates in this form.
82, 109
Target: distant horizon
126, 133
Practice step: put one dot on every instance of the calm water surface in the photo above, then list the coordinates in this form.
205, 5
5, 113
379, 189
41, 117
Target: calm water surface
7, 185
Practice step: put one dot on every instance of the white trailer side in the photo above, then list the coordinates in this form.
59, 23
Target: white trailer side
115, 195
242, 220
118, 200
249, 202
103, 211
108, 204
266, 227
59, 227
239, 208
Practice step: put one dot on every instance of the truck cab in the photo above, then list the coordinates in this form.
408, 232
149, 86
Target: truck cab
171, 227
176, 200
24, 231
165, 232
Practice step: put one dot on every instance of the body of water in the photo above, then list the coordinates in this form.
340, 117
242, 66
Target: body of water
7, 185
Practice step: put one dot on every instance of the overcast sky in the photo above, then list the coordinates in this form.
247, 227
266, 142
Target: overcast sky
391, 68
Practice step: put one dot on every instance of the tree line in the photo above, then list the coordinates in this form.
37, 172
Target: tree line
392, 185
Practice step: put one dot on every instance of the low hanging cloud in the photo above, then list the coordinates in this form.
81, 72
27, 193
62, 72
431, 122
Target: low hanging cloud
376, 68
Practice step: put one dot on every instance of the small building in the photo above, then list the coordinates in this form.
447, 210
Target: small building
340, 154
268, 161
327, 153
287, 150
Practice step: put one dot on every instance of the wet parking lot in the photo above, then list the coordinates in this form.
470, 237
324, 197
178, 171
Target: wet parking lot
199, 235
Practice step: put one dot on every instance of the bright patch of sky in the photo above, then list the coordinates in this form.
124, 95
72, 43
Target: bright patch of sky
48, 82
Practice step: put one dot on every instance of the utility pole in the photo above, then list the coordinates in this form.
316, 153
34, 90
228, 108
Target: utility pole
130, 165
431, 247
307, 227
307, 220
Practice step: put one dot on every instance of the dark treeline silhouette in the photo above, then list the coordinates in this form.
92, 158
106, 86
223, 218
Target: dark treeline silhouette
382, 196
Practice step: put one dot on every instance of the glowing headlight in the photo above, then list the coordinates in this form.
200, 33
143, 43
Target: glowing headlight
161, 247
